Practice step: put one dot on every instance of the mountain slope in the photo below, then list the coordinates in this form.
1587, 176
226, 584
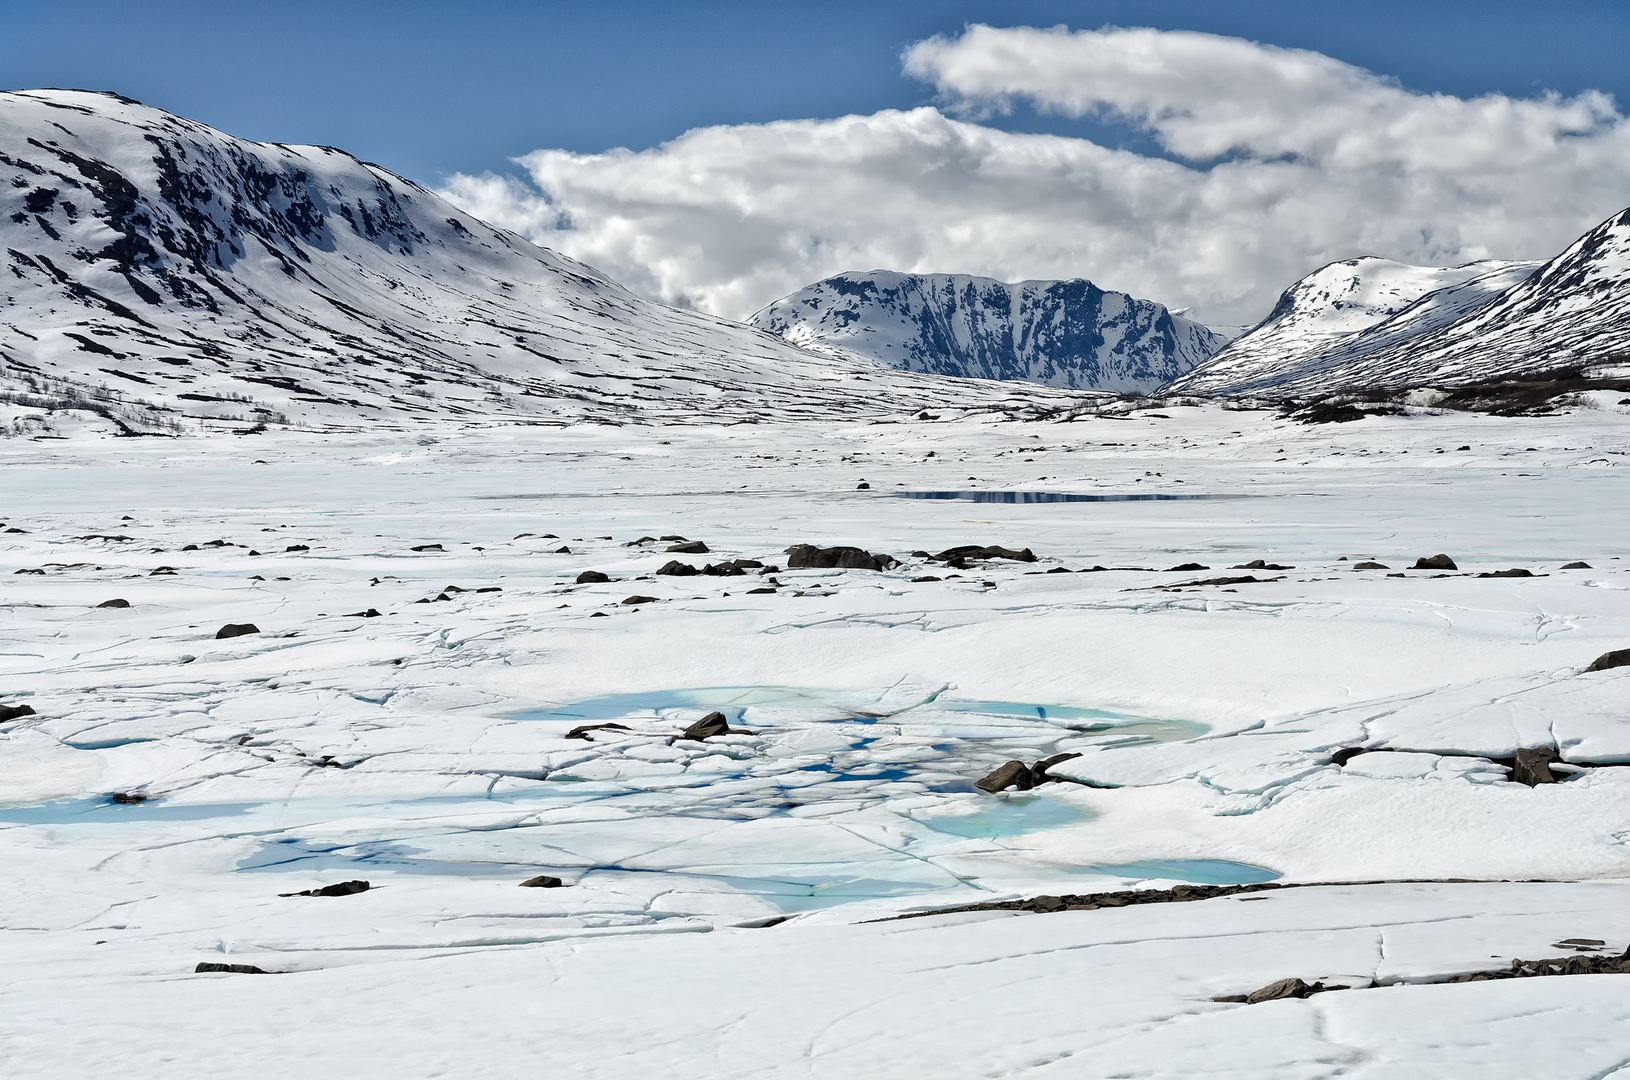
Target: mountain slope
1060, 333
165, 274
1329, 319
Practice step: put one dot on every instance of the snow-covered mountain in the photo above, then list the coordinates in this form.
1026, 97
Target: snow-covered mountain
1060, 333
1327, 321
164, 274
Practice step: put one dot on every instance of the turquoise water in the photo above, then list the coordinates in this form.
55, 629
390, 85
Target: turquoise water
1010, 817
1194, 871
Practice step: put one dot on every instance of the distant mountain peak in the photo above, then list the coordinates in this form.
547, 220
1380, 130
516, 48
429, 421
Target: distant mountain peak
1068, 333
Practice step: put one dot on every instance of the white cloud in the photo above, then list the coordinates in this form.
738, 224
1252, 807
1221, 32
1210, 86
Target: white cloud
1284, 160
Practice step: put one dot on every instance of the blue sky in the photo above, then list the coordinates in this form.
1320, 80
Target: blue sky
430, 89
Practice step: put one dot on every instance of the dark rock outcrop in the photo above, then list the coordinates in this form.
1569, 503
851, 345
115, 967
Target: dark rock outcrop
115, 603
235, 969
1508, 573
232, 630
640, 600
1608, 660
808, 556
542, 881
1533, 766
693, 547
1185, 568
675, 568
989, 551
710, 726
592, 577
1011, 774
1435, 562
343, 888
581, 731
14, 712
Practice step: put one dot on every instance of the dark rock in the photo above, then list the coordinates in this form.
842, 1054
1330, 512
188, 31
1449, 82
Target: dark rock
157, 570
592, 577
641, 540
581, 731
1038, 771
921, 555
990, 551
808, 556
672, 537
297, 547
542, 881
694, 547
14, 712
759, 592
562, 550
231, 630
190, 547
1371, 566
707, 727
1014, 774
1258, 564
1347, 753
599, 615
1508, 573
1436, 562
1533, 766
344, 888
428, 547
127, 798
1186, 568
490, 588
371, 613
235, 969
724, 569
919, 580
1284, 988
1616, 658
640, 600
29, 570
1061, 570
114, 604
1577, 566
675, 568
863, 487
1245, 580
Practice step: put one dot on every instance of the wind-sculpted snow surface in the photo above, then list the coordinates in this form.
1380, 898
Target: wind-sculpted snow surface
165, 275
1061, 333
439, 698
1344, 311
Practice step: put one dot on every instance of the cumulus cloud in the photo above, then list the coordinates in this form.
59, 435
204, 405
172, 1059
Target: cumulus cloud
1276, 161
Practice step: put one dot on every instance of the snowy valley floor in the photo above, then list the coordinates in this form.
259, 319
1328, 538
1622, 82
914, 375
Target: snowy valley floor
713, 919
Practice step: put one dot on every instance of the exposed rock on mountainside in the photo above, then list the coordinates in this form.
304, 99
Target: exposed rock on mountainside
1325, 322
163, 274
1061, 333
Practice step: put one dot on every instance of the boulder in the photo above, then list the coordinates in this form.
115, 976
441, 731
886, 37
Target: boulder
14, 712
640, 600
808, 556
1576, 566
592, 577
1371, 565
542, 881
371, 613
1616, 658
724, 569
581, 731
991, 551
1038, 771
707, 727
235, 969
1284, 988
693, 547
231, 630
127, 798
114, 604
1436, 562
675, 568
428, 547
1012, 774
344, 888
1533, 766
1508, 573
1185, 568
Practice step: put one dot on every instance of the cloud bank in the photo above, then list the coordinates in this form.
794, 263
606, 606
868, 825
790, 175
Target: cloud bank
1276, 162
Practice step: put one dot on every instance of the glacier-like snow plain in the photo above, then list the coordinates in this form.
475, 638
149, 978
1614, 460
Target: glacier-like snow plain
717, 913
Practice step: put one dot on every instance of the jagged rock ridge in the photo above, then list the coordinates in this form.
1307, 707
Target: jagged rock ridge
1059, 333
166, 274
